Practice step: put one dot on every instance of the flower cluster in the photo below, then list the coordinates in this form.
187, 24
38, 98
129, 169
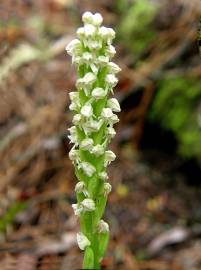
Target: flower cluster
94, 115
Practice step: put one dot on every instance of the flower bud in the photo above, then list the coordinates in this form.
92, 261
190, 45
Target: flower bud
88, 205
82, 241
97, 19
98, 93
113, 104
86, 144
87, 168
102, 226
87, 17
107, 188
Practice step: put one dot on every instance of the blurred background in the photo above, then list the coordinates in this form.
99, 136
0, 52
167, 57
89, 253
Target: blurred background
154, 210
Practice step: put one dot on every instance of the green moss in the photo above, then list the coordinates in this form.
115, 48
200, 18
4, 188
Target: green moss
176, 108
135, 30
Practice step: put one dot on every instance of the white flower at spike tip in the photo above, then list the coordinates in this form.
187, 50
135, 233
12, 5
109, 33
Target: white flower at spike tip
82, 241
107, 188
113, 104
89, 18
98, 93
88, 205
109, 157
87, 110
102, 226
87, 168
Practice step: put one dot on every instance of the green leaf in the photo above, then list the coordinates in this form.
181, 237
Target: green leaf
88, 262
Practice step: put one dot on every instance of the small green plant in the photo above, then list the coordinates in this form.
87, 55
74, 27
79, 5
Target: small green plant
92, 131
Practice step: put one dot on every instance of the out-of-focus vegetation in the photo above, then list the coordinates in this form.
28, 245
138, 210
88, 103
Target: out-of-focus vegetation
136, 29
177, 107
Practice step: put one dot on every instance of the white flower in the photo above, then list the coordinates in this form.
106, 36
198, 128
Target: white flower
87, 168
80, 187
110, 132
74, 96
89, 30
87, 110
103, 60
88, 205
111, 80
73, 137
78, 209
74, 154
110, 51
77, 119
87, 144
102, 226
80, 32
106, 113
82, 241
74, 47
97, 19
113, 104
107, 188
98, 150
92, 126
113, 68
98, 93
88, 79
87, 17
109, 157
113, 120
94, 44
103, 176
